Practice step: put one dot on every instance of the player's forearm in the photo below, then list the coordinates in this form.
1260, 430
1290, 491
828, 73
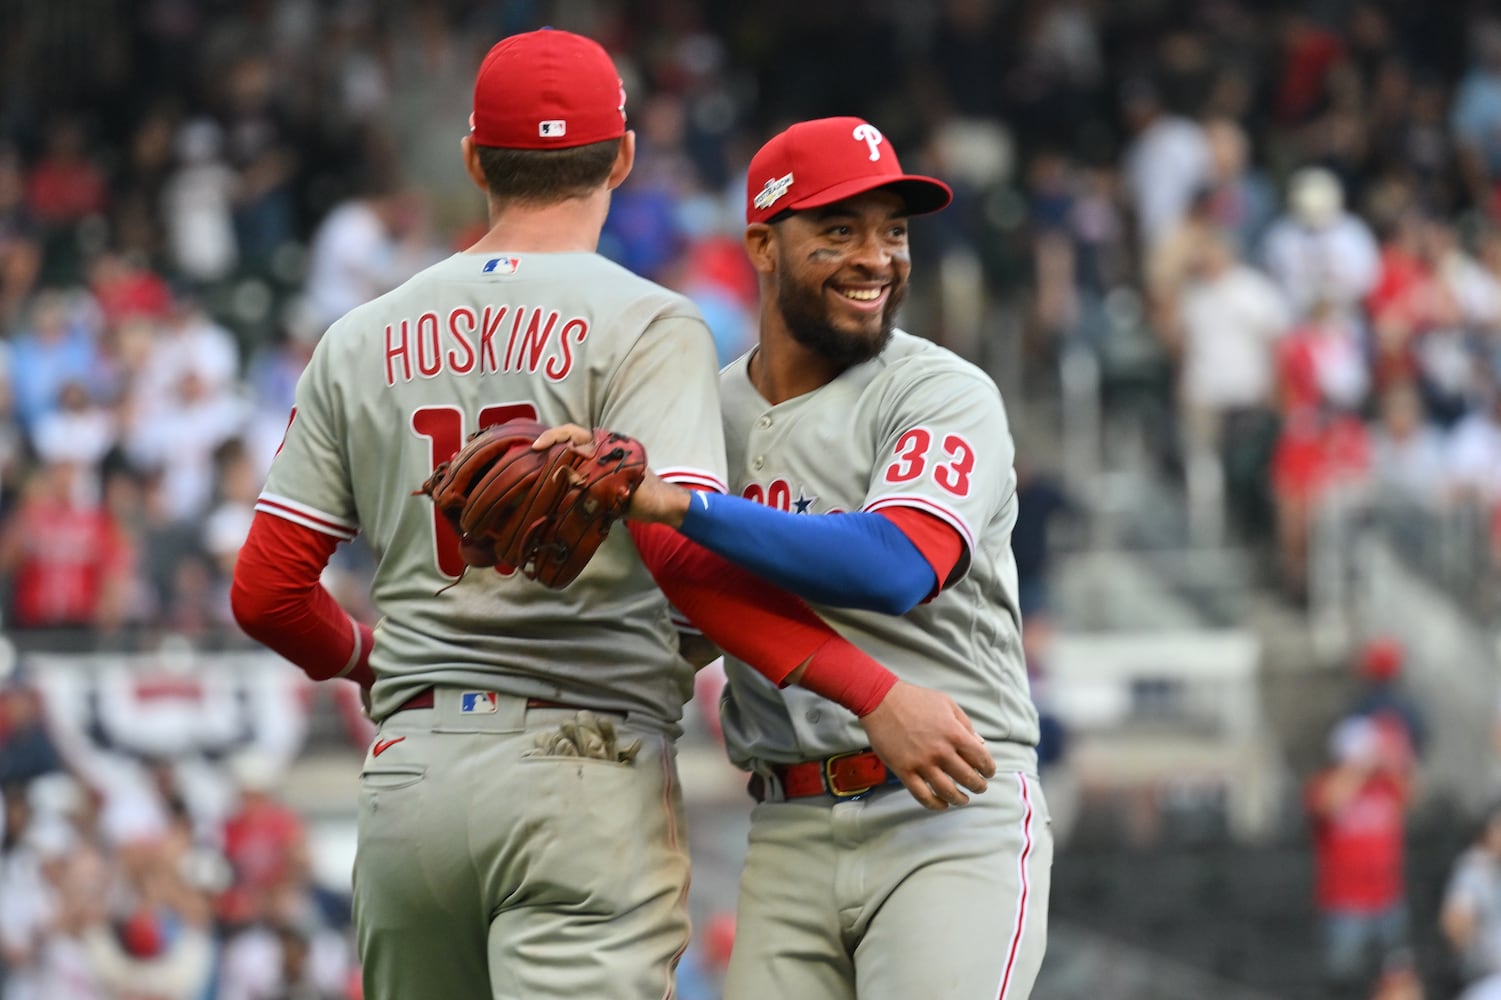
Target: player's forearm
856, 560
760, 625
277, 600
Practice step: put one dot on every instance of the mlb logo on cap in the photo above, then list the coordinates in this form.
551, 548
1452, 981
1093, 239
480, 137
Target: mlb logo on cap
478, 703
547, 89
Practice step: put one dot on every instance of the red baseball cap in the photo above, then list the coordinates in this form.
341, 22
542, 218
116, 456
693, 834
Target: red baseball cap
819, 162
547, 89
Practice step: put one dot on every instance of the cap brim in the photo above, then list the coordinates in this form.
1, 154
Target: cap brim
922, 194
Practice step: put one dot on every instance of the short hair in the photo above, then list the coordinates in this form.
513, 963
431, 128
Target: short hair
547, 175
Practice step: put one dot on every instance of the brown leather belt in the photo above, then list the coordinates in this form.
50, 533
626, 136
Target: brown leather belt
844, 776
424, 699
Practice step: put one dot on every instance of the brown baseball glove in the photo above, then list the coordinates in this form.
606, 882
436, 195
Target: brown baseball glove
543, 512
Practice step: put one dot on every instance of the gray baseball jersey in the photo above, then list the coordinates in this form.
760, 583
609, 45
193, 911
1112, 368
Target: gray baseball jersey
915, 427
398, 384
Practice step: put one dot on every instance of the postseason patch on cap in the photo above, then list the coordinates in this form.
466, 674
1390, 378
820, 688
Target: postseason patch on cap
773, 191
555, 128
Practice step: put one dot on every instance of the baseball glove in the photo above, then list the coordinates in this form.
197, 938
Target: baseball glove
543, 512
585, 735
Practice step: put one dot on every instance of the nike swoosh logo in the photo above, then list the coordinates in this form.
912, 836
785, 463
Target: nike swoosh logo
381, 746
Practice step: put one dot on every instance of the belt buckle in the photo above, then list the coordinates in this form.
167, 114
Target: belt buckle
828, 776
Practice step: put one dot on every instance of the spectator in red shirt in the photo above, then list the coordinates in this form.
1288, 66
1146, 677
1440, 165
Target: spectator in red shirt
1320, 449
65, 186
1322, 361
265, 842
125, 289
69, 562
1358, 808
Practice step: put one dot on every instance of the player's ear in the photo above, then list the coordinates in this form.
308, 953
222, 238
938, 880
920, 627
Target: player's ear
760, 246
625, 159
472, 164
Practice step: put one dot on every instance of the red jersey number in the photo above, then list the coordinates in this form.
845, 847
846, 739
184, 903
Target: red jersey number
290, 417
911, 456
950, 463
443, 426
954, 475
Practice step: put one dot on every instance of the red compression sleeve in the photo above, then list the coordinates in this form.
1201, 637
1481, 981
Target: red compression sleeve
757, 623
278, 600
934, 537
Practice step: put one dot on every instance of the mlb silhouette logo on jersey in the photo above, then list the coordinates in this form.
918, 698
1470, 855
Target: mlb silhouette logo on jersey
501, 265
478, 703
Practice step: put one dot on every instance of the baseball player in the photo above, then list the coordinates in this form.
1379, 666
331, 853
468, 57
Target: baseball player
849, 890
520, 829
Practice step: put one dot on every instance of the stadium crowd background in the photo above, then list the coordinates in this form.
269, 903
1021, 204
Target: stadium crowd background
1275, 227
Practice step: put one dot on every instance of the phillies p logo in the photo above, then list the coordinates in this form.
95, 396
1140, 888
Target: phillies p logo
871, 136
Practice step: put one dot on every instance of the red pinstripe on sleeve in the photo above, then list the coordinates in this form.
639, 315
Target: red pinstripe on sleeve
692, 479
308, 517
278, 600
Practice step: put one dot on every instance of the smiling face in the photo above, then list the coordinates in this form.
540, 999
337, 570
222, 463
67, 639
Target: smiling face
840, 274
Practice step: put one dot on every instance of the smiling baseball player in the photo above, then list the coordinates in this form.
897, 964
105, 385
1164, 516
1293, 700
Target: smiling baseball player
848, 889
520, 830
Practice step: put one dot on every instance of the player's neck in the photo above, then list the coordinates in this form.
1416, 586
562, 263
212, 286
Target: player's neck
782, 369
571, 226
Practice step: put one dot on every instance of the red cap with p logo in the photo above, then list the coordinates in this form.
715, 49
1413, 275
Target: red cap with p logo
819, 162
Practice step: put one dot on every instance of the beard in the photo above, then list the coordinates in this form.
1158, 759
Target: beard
807, 317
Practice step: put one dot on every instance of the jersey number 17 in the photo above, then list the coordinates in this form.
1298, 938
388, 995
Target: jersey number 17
443, 427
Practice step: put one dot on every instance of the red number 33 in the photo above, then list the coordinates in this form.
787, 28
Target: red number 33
951, 468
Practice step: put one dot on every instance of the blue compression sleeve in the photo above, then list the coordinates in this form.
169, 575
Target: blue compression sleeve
858, 560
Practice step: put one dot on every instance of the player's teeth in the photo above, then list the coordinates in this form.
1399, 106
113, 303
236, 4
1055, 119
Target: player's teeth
864, 294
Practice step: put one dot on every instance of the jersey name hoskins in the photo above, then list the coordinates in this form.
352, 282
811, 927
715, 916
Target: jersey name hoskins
500, 338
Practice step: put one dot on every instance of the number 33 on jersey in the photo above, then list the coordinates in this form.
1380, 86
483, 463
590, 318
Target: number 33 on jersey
924, 429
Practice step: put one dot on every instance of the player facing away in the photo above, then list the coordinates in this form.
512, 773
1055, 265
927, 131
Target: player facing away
849, 889
490, 863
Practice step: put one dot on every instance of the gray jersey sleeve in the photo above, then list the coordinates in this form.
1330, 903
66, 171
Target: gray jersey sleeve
945, 448
309, 480
685, 441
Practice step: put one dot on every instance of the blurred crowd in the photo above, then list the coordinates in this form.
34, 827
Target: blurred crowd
1290, 210
164, 877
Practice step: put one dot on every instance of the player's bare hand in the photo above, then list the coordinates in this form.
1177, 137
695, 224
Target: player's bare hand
580, 436
925, 737
659, 502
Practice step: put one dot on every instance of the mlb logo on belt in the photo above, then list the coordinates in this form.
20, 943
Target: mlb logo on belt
478, 703
501, 265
